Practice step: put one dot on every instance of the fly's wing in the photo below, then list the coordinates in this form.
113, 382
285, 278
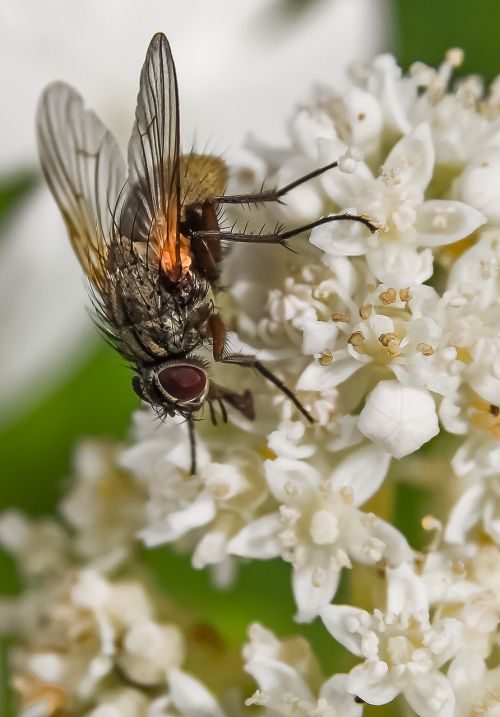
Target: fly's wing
85, 171
151, 213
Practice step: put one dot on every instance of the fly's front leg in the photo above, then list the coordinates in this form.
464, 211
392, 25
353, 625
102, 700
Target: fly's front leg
192, 445
216, 329
279, 236
243, 402
252, 362
271, 195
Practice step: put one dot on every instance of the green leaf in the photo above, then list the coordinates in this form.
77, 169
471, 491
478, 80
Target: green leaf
425, 29
13, 189
261, 593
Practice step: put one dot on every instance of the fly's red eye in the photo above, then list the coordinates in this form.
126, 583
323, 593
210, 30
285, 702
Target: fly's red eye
184, 383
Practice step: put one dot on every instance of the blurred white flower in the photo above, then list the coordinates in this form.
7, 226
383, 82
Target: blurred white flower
104, 505
81, 628
476, 687
39, 547
285, 673
402, 649
204, 511
318, 526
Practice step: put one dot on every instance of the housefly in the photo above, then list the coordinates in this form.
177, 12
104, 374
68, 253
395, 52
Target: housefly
147, 235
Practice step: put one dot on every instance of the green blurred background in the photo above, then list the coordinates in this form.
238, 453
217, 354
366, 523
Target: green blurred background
96, 400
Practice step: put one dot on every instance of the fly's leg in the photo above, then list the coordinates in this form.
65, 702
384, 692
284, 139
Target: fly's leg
192, 445
206, 253
216, 329
202, 222
279, 236
244, 402
252, 362
271, 195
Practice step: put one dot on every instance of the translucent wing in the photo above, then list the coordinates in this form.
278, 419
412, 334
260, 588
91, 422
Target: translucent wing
151, 213
85, 172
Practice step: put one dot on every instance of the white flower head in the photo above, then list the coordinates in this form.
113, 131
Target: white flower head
402, 649
285, 674
319, 527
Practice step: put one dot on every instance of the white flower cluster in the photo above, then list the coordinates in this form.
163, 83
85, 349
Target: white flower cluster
390, 340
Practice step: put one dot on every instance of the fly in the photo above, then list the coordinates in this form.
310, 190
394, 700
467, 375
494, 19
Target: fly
148, 238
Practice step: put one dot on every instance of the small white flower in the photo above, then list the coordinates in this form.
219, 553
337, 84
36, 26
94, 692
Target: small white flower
402, 649
40, 547
398, 418
392, 331
476, 687
104, 505
395, 202
205, 510
282, 671
319, 527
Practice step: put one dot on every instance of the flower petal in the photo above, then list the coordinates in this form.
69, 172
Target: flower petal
372, 682
258, 539
363, 470
465, 514
316, 377
200, 512
283, 470
335, 693
318, 335
313, 587
398, 418
406, 591
190, 697
345, 624
441, 222
412, 158
399, 266
277, 678
430, 695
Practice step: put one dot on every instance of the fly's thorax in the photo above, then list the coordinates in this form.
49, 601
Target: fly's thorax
153, 318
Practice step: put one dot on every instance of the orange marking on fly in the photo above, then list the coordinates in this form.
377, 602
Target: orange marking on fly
174, 253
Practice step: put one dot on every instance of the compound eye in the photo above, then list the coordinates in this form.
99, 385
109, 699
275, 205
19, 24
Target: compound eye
183, 383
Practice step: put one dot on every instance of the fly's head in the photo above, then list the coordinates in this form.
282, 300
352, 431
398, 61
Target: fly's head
174, 387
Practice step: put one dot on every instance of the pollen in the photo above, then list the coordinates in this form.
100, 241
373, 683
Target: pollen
267, 454
404, 294
221, 490
388, 297
320, 294
425, 349
365, 311
342, 318
356, 339
487, 417
346, 495
389, 339
455, 56
326, 358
